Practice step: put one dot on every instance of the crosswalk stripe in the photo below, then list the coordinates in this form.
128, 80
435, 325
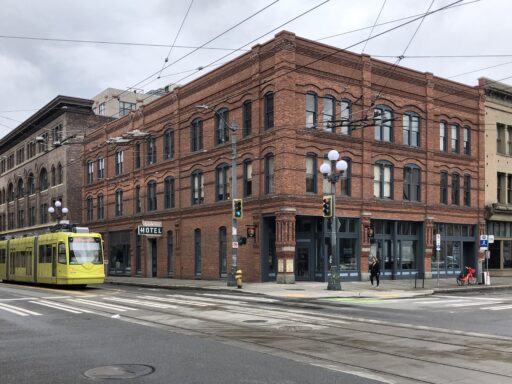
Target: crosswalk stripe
209, 300
139, 302
67, 306
176, 301
115, 307
18, 311
474, 304
498, 308
47, 304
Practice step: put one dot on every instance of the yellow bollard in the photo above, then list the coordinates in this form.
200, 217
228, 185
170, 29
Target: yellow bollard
238, 278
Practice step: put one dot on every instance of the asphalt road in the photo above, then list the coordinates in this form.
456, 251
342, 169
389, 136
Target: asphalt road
79, 336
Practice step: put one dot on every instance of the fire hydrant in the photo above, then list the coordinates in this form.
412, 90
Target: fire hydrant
238, 278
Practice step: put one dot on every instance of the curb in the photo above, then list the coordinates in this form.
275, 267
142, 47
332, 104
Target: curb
478, 288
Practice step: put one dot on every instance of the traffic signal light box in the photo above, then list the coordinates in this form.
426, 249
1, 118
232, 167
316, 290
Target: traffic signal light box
237, 208
327, 206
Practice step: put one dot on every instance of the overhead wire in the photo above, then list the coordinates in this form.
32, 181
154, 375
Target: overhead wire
176, 37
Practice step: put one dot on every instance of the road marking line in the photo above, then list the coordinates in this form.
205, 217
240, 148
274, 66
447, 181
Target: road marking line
473, 304
66, 306
115, 307
47, 304
244, 298
17, 310
176, 301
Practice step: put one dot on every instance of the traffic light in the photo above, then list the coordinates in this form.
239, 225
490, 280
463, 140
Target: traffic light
327, 206
237, 208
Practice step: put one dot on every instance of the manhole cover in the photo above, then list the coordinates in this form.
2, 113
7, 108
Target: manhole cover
255, 321
119, 371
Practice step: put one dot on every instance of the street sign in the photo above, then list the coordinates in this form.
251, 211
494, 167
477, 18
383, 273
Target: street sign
438, 242
484, 242
491, 239
234, 244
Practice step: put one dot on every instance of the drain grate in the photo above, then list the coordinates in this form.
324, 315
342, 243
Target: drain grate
119, 371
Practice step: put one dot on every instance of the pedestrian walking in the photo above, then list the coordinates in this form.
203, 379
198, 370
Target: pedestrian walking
375, 270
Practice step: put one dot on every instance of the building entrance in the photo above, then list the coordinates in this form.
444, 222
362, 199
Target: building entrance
304, 262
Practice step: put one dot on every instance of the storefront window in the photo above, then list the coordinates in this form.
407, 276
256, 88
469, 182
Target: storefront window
507, 253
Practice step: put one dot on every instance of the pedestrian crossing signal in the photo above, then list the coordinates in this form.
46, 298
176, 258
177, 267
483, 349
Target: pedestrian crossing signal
327, 206
237, 208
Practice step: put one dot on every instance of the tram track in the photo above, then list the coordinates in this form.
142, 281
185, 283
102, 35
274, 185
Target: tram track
294, 344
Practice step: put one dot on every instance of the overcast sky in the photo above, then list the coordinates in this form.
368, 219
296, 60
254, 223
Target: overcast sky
36, 64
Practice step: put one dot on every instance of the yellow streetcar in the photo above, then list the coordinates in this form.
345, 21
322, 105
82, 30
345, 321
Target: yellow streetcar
69, 255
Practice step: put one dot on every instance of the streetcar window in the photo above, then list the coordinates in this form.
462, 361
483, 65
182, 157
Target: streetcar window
2, 256
62, 253
45, 253
85, 250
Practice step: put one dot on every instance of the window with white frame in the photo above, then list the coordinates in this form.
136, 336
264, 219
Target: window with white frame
383, 180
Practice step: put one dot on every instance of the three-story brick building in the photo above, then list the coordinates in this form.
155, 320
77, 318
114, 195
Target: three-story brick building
413, 143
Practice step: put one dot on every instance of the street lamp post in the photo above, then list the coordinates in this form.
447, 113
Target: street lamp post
58, 211
334, 172
234, 245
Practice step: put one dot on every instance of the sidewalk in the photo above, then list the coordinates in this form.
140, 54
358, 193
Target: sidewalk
314, 290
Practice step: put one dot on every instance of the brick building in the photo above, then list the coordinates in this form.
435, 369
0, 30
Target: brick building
414, 144
40, 163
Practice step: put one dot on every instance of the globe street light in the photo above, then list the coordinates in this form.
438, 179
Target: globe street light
334, 172
234, 236
58, 211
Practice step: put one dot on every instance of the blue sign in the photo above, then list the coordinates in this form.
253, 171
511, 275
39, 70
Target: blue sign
484, 241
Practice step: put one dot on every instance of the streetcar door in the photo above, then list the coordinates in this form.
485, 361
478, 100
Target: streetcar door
54, 261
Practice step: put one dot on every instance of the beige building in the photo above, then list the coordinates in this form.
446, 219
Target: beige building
116, 103
498, 174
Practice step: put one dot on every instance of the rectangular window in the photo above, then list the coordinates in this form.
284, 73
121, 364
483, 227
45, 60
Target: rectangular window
21, 218
168, 145
346, 178
32, 216
101, 109
247, 118
101, 169
412, 183
501, 186
443, 186
100, 208
197, 188
196, 142
467, 190
509, 190
311, 174
119, 203
89, 209
152, 206
138, 205
382, 181
221, 126
509, 140
169, 192
455, 138
411, 130
90, 172
125, 108
500, 139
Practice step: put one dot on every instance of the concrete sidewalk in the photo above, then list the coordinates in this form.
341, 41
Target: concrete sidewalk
311, 290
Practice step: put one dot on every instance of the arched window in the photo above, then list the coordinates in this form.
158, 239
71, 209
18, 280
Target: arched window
152, 206
31, 184
197, 187
411, 129
60, 178
10, 192
412, 183
268, 110
43, 180
455, 188
247, 178
221, 126
383, 117
221, 182
20, 191
329, 113
196, 135
383, 180
311, 110
168, 144
169, 192
89, 208
346, 180
247, 118
100, 207
269, 173
346, 117
52, 173
90, 172
151, 150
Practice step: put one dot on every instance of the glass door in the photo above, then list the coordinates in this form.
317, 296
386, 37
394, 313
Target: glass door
303, 263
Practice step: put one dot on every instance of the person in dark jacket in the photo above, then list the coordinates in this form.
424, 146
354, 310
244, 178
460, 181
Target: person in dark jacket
375, 270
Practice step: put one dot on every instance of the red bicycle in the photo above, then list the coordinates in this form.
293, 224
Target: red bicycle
469, 278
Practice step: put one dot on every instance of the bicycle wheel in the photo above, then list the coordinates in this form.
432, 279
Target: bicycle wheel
472, 280
460, 281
